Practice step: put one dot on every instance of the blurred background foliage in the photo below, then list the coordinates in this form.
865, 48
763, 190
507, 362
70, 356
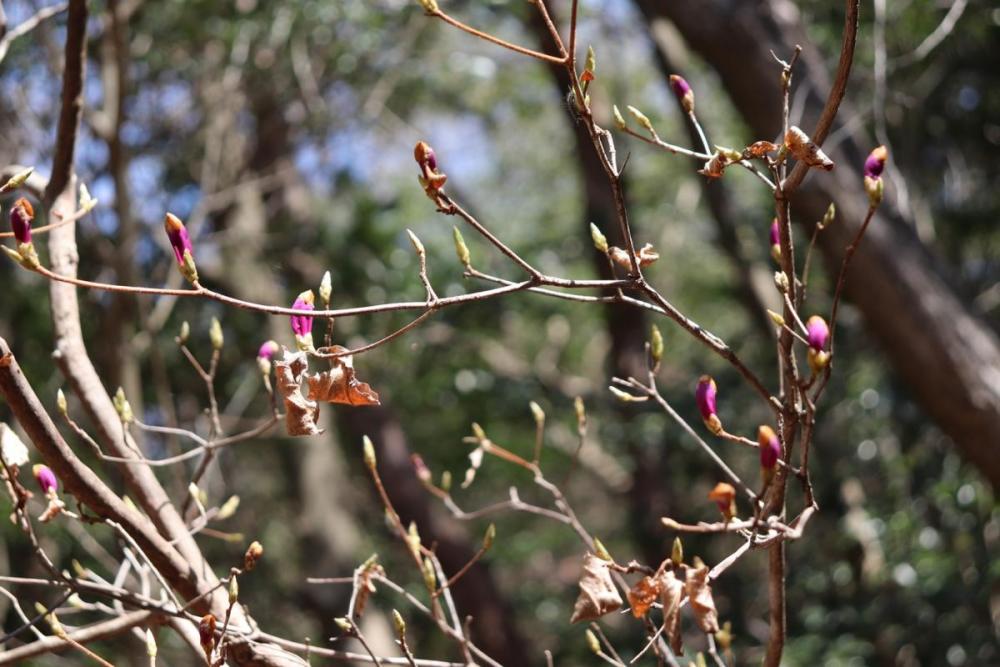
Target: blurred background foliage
284, 131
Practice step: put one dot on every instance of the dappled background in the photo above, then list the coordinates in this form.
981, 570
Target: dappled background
283, 134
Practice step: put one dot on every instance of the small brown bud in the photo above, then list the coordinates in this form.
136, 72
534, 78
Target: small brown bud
206, 635
253, 554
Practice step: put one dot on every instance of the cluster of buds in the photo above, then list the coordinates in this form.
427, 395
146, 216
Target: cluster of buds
302, 324
818, 336
874, 165
21, 216
770, 451
431, 179
180, 241
705, 396
683, 92
49, 485
775, 242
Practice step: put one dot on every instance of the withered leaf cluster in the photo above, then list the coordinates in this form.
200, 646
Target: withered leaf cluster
340, 384
670, 591
337, 385
598, 595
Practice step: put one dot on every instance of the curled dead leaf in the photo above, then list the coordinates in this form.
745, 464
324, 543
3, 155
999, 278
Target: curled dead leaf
642, 596
715, 167
700, 595
300, 412
370, 570
340, 384
805, 150
598, 595
646, 255
759, 149
672, 592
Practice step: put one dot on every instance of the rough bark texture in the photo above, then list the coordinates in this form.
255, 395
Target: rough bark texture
936, 342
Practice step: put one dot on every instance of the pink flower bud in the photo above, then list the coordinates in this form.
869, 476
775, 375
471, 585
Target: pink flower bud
267, 350
683, 92
302, 324
419, 467
21, 215
178, 235
876, 162
775, 242
264, 356
704, 396
46, 478
770, 447
818, 333
424, 155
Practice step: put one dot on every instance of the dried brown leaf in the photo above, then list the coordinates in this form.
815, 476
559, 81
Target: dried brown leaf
702, 603
365, 587
642, 596
672, 591
340, 384
759, 149
646, 255
598, 595
715, 167
300, 413
805, 150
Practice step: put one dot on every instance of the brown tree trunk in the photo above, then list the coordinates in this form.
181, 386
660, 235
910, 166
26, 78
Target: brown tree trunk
936, 342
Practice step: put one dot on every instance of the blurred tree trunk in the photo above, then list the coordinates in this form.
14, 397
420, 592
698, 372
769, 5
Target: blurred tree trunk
627, 326
936, 342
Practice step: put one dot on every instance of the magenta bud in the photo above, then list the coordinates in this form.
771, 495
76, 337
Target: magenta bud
704, 396
770, 447
682, 89
302, 324
46, 478
875, 162
818, 333
267, 350
180, 241
21, 215
775, 242
424, 155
